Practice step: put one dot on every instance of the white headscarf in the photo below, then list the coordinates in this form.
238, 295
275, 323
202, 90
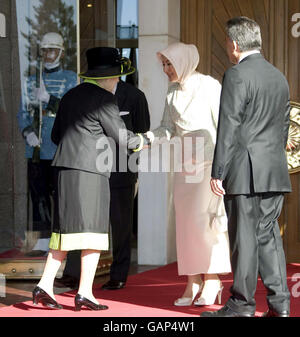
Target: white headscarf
184, 58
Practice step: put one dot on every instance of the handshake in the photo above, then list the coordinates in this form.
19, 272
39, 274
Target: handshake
141, 141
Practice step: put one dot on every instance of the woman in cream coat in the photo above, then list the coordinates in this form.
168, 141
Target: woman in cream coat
191, 110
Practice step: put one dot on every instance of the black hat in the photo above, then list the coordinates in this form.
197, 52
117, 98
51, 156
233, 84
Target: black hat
106, 62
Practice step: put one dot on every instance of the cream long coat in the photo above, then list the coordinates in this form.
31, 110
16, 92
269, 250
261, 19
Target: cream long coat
191, 110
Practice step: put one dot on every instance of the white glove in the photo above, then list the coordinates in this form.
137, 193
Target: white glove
150, 135
41, 93
32, 139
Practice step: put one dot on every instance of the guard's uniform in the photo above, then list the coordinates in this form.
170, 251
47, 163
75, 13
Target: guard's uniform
40, 177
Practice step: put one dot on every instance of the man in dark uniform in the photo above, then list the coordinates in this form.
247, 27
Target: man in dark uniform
134, 111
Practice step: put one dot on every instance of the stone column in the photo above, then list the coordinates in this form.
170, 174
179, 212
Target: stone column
159, 25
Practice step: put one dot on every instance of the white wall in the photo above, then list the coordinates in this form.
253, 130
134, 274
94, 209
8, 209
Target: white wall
159, 25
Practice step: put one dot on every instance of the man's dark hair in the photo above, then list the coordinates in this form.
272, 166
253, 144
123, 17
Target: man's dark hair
245, 32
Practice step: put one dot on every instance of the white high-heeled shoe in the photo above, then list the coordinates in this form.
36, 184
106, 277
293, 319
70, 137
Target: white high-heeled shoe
187, 301
209, 294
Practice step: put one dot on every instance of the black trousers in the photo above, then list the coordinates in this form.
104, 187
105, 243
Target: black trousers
41, 187
257, 249
121, 219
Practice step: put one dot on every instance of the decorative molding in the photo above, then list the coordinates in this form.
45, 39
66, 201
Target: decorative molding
32, 268
293, 144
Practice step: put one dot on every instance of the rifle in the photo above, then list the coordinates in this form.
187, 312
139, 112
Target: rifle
38, 111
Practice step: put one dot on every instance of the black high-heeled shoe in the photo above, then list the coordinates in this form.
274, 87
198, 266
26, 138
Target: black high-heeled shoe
81, 300
40, 295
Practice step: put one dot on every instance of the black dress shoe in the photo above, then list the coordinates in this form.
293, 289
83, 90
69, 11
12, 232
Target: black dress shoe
113, 285
66, 282
273, 313
40, 295
225, 312
81, 300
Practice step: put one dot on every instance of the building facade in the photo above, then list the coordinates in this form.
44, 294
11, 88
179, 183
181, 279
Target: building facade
157, 23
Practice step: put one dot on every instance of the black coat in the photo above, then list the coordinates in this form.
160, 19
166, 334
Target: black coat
134, 111
87, 115
253, 129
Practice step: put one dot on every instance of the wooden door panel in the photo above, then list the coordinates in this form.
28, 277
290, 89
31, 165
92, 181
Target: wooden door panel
279, 47
292, 231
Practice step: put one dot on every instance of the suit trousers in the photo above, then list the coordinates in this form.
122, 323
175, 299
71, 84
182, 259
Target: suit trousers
121, 221
257, 249
41, 186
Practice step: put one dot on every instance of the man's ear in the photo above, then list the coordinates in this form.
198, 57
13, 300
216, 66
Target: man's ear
236, 46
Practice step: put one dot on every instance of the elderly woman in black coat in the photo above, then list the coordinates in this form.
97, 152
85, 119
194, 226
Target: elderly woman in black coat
87, 117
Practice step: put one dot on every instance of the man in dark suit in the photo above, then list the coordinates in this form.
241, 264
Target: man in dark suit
135, 114
134, 111
250, 165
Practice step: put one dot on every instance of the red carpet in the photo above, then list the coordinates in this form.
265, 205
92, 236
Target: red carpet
150, 294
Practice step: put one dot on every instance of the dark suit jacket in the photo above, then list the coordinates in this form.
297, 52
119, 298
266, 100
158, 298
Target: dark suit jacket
87, 115
134, 110
253, 129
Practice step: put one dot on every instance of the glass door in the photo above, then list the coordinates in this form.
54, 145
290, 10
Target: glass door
39, 54
42, 49
127, 34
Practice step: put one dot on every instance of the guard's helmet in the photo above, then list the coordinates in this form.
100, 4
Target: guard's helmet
52, 40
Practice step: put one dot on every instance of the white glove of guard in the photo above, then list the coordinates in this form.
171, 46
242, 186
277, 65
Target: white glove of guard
41, 93
32, 139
